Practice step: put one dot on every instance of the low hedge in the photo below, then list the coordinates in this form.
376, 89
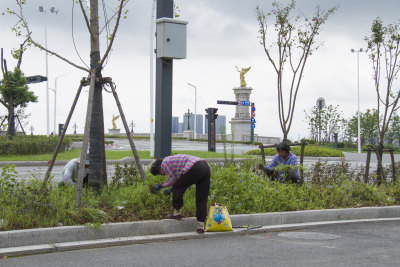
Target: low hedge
310, 151
28, 145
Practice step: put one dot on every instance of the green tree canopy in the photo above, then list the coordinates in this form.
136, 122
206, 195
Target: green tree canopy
368, 127
17, 92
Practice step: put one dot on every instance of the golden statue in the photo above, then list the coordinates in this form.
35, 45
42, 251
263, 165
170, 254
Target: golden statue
113, 121
242, 73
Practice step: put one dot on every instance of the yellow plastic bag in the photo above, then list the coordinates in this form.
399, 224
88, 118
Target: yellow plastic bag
218, 219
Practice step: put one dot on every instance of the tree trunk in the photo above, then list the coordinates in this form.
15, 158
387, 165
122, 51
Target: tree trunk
379, 170
97, 167
11, 118
284, 137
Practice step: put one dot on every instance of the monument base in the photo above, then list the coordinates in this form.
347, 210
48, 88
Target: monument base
114, 131
240, 128
188, 134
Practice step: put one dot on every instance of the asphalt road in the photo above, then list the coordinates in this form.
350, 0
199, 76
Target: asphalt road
355, 159
357, 244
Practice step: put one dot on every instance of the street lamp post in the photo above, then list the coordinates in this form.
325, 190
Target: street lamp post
358, 96
195, 110
320, 105
52, 10
152, 79
55, 101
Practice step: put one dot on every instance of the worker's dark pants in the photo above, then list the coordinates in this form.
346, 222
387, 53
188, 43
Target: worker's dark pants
199, 175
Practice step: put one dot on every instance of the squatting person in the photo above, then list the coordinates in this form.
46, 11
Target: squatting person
183, 171
284, 157
69, 174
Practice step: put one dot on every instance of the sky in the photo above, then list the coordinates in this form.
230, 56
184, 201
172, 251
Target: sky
221, 35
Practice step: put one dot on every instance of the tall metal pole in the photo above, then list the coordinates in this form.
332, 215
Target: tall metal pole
52, 10
319, 127
358, 100
55, 102
47, 80
358, 96
163, 124
195, 110
151, 80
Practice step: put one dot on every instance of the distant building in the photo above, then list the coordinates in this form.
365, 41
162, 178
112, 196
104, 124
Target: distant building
175, 125
180, 127
199, 123
220, 124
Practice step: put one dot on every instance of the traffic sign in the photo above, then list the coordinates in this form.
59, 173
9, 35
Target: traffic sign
253, 120
246, 103
253, 114
253, 126
253, 108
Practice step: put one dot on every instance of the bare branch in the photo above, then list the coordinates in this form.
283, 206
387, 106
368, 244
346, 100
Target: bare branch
111, 18
21, 51
59, 56
113, 34
86, 18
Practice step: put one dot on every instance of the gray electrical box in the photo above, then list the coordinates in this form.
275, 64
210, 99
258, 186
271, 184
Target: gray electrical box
171, 38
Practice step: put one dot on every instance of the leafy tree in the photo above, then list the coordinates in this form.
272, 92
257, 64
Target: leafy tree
368, 127
393, 134
384, 51
332, 121
14, 93
94, 128
295, 42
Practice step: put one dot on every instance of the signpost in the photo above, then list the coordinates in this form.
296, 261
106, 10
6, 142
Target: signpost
211, 116
244, 103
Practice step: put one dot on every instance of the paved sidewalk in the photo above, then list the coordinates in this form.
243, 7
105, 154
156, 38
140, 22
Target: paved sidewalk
44, 240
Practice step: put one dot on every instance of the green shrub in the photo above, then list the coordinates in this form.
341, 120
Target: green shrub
27, 145
242, 188
310, 151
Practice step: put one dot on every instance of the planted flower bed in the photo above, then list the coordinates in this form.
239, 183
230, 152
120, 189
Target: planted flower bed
240, 187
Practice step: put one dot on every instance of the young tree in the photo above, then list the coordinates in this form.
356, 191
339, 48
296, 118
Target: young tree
332, 121
13, 91
368, 127
295, 43
384, 50
97, 169
393, 134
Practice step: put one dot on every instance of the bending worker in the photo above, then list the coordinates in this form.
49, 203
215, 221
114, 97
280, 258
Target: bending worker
70, 171
284, 157
183, 171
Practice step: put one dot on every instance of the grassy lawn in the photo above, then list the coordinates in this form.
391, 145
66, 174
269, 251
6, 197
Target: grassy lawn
112, 155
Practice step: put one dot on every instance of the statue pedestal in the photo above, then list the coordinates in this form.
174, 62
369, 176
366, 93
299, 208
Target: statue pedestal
114, 131
188, 134
241, 123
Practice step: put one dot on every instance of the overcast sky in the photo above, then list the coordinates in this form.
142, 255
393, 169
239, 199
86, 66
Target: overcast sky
221, 34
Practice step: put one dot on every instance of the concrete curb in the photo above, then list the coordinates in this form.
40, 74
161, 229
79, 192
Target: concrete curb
20, 241
123, 241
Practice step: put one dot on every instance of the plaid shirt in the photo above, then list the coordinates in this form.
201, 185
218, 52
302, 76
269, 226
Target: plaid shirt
175, 166
290, 160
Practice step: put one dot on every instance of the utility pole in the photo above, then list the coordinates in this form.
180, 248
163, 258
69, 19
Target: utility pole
164, 67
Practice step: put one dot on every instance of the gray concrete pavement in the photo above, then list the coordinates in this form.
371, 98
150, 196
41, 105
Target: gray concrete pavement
356, 244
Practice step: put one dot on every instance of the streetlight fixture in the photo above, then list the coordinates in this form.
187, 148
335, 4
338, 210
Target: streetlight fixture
195, 110
54, 11
358, 94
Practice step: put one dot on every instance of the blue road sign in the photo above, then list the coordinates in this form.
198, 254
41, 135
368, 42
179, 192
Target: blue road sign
246, 103
253, 120
253, 108
253, 126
